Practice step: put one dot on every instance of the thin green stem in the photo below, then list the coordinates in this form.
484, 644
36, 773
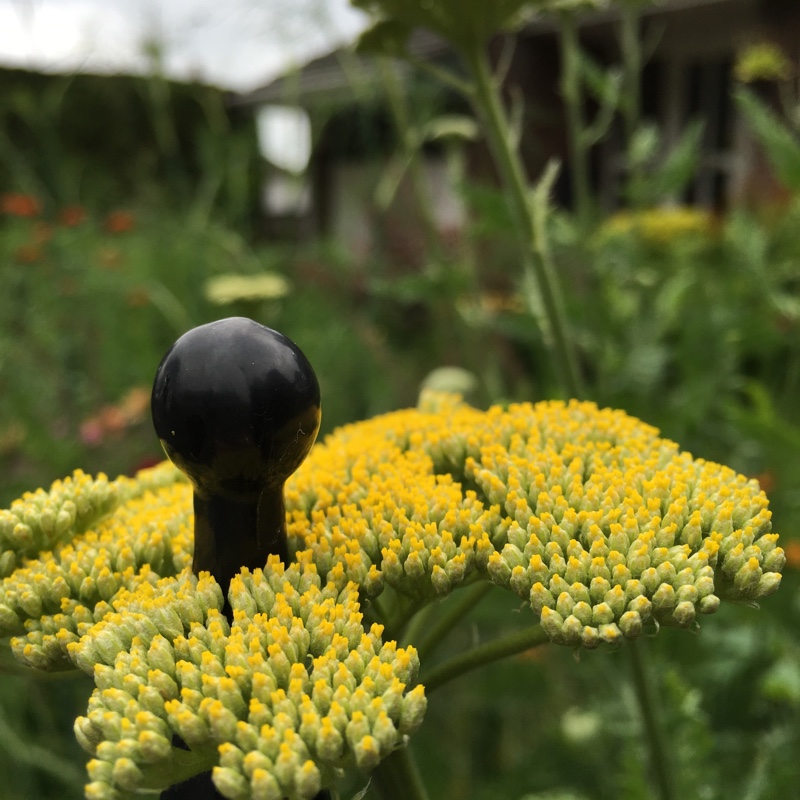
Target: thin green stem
502, 647
632, 89
648, 706
489, 105
410, 147
397, 777
572, 92
452, 613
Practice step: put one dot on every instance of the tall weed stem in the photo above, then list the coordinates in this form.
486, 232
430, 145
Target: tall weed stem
488, 103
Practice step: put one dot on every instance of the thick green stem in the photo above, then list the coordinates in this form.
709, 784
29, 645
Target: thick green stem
648, 706
397, 777
505, 646
430, 636
488, 103
572, 92
400, 618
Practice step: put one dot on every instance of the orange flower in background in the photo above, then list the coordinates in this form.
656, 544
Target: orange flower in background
120, 222
767, 481
19, 205
70, 216
792, 551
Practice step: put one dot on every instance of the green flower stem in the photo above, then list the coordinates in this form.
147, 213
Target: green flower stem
648, 706
398, 621
513, 643
397, 777
536, 262
430, 636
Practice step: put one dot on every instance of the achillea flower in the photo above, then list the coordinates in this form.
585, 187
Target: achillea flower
604, 528
283, 698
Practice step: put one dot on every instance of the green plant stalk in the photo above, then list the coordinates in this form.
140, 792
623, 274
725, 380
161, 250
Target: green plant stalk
431, 636
648, 707
572, 93
488, 103
632, 85
502, 647
397, 777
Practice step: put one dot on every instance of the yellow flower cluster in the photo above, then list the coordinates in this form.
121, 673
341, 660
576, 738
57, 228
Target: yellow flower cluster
281, 700
658, 226
603, 526
53, 598
763, 61
39, 520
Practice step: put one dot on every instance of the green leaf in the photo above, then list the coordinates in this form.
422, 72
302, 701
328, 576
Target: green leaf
679, 166
781, 146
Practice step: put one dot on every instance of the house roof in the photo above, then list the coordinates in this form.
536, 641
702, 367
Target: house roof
334, 76
336, 73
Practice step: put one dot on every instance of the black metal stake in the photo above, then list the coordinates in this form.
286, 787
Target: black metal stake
236, 406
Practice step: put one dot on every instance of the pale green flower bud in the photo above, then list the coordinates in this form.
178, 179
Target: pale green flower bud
768, 584
307, 779
684, 614
153, 746
127, 775
590, 637
541, 598
265, 786
710, 603
572, 630
414, 706
367, 753
630, 623
99, 790
230, 784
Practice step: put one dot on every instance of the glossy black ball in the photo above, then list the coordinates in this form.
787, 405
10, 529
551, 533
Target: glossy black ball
236, 406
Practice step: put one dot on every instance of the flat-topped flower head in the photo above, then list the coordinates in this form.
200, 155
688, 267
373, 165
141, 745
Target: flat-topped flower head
587, 514
279, 702
605, 529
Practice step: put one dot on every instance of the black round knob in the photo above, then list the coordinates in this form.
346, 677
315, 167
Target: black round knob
236, 406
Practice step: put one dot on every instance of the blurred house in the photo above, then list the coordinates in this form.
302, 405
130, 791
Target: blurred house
350, 136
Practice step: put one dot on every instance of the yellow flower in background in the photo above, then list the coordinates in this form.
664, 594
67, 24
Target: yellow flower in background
658, 226
764, 61
226, 289
605, 529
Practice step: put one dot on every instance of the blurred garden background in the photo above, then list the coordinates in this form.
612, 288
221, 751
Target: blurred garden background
352, 202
